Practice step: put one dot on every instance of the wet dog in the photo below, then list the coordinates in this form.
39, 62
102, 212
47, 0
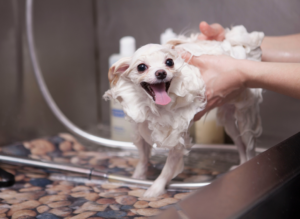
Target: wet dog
160, 94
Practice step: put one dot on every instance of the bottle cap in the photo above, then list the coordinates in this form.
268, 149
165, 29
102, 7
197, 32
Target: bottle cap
127, 46
167, 35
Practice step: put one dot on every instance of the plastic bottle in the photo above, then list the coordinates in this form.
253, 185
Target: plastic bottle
121, 129
167, 35
207, 131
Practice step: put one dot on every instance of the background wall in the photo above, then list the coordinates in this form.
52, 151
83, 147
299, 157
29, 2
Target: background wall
64, 37
75, 38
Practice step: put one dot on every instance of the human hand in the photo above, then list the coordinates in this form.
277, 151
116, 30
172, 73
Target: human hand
222, 77
211, 32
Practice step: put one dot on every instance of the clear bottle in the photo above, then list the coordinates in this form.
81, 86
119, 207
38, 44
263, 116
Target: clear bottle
121, 129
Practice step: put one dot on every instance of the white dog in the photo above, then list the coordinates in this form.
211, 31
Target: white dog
160, 94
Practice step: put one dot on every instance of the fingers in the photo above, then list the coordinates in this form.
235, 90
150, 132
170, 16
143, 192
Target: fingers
203, 112
199, 115
212, 32
207, 30
212, 102
193, 60
198, 61
186, 56
201, 36
210, 105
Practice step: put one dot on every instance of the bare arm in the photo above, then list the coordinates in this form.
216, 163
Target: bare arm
226, 77
281, 48
279, 77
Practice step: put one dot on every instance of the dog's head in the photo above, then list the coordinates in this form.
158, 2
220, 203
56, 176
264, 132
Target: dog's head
152, 67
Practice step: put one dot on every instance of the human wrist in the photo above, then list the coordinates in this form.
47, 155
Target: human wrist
257, 73
243, 67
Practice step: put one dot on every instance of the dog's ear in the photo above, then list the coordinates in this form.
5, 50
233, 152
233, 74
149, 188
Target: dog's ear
117, 69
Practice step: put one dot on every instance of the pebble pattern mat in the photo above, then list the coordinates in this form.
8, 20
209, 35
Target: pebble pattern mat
42, 194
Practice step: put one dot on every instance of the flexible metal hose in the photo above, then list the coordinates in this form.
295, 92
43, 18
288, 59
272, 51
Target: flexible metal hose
90, 172
48, 98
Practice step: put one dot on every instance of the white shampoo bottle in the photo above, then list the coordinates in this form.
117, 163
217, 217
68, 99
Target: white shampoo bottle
167, 35
121, 129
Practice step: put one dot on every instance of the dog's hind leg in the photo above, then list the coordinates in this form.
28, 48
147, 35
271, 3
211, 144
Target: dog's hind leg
242, 122
249, 121
144, 150
226, 116
174, 165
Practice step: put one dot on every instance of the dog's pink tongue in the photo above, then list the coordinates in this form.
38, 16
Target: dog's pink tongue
161, 96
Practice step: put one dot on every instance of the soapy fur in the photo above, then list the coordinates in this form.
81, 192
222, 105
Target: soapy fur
167, 125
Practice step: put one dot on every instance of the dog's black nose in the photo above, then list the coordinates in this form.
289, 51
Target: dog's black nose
161, 74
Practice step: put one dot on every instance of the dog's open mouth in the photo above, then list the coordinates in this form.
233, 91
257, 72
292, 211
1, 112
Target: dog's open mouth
159, 92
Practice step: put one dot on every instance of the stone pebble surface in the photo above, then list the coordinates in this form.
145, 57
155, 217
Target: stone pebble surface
36, 195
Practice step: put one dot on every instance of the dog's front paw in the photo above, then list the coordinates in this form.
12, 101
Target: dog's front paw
154, 191
140, 171
138, 175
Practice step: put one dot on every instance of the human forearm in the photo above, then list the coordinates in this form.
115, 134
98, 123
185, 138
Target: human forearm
279, 77
281, 48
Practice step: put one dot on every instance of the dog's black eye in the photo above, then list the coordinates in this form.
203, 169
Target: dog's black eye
142, 67
169, 62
